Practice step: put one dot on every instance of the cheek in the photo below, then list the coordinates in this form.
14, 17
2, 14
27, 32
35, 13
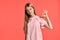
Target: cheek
32, 10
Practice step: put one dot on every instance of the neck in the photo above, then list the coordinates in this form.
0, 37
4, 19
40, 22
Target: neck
33, 15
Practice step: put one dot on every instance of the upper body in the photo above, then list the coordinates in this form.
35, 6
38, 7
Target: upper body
37, 20
31, 14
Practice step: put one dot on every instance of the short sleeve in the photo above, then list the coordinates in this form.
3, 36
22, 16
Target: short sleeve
42, 22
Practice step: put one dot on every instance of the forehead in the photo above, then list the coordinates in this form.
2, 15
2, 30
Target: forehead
30, 6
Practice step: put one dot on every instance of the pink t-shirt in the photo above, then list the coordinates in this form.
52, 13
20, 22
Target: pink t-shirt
34, 28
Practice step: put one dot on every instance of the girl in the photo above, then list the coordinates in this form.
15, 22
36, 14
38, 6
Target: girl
33, 23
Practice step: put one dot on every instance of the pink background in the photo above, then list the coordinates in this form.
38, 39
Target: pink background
12, 18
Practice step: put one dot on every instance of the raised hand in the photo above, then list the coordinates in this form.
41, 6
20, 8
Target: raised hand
45, 13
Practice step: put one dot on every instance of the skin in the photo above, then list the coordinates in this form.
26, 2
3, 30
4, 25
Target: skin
30, 11
48, 25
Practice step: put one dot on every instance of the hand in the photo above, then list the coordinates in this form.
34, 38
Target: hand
45, 13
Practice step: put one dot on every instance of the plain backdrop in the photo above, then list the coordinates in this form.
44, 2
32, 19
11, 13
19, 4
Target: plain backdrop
12, 18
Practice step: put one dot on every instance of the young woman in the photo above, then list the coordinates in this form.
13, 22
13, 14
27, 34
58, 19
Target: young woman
33, 23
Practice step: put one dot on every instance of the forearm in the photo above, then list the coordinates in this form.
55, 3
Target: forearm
49, 25
49, 22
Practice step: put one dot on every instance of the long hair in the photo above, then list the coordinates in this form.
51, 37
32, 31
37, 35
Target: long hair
26, 13
26, 18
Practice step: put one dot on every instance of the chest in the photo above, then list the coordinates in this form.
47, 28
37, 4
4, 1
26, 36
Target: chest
33, 22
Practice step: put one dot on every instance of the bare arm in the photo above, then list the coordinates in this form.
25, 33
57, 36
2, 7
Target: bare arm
48, 25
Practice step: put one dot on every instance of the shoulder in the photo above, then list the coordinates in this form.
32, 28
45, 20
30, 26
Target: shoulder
37, 18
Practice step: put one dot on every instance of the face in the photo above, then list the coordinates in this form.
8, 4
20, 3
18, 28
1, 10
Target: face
30, 10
